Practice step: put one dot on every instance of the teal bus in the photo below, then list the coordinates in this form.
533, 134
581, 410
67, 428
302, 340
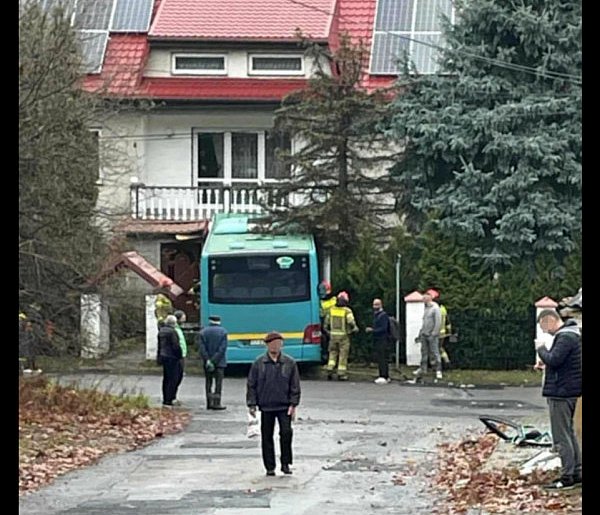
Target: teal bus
259, 283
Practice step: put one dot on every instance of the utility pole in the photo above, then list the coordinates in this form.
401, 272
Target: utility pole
398, 258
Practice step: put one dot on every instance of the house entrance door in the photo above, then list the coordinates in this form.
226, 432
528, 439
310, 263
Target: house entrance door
180, 262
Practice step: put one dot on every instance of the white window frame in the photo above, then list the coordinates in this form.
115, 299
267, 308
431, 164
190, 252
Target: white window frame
175, 71
252, 71
411, 34
227, 178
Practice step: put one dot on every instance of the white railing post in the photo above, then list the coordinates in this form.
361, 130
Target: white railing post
193, 203
227, 200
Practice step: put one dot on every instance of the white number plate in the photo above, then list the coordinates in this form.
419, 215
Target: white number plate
256, 342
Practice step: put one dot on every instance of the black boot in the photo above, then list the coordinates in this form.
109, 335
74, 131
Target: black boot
209, 401
217, 402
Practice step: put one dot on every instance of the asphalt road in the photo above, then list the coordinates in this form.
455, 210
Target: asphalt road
350, 439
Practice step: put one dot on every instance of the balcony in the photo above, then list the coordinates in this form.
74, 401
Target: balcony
173, 203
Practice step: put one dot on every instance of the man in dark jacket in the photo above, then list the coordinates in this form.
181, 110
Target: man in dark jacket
562, 386
169, 356
274, 386
212, 346
381, 340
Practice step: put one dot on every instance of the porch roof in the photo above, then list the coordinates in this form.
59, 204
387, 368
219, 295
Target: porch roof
131, 226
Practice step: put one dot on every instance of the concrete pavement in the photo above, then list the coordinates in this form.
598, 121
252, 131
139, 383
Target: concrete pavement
349, 441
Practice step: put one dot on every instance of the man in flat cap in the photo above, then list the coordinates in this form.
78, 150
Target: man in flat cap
212, 346
274, 387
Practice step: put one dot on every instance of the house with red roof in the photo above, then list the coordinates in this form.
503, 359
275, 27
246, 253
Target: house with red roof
215, 72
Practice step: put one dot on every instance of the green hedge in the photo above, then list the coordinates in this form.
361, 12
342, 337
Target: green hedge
493, 342
493, 309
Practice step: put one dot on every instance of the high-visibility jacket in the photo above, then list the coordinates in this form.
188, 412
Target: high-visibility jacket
340, 321
445, 327
182, 341
326, 304
162, 307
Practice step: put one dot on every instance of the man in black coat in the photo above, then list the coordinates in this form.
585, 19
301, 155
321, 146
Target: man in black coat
169, 356
562, 386
274, 386
381, 340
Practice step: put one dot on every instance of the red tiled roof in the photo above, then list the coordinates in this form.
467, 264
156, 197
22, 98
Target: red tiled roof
131, 226
124, 61
357, 17
126, 54
242, 19
220, 88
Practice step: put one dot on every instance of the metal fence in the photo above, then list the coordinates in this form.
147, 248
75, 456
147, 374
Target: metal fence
493, 342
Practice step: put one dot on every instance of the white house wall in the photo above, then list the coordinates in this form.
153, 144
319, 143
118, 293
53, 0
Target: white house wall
121, 159
159, 63
169, 159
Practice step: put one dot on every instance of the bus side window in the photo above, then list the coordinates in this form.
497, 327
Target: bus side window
300, 290
282, 291
220, 293
260, 292
240, 293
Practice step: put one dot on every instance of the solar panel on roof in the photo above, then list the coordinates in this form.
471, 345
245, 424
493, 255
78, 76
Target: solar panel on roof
132, 16
387, 49
394, 15
425, 56
93, 14
93, 46
49, 5
402, 25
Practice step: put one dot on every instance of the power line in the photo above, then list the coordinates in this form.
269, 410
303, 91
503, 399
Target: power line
496, 62
172, 136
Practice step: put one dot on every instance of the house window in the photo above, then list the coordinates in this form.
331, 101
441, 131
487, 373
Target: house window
276, 142
238, 156
210, 155
412, 26
244, 151
199, 64
276, 65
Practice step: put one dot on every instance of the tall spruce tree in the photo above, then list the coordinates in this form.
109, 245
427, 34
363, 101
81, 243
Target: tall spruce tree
334, 185
494, 143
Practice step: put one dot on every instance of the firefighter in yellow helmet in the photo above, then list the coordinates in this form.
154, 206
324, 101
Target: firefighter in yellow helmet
340, 323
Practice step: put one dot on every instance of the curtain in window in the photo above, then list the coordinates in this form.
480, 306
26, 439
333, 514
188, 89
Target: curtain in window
244, 150
275, 168
210, 155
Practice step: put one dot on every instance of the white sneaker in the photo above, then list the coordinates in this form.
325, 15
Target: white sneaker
388, 380
380, 380
417, 372
438, 374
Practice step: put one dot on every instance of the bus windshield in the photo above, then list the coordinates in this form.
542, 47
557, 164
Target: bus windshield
259, 279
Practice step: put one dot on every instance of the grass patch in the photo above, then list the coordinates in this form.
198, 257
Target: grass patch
64, 427
359, 372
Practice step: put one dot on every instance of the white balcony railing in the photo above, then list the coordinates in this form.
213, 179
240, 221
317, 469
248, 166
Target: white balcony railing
181, 204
